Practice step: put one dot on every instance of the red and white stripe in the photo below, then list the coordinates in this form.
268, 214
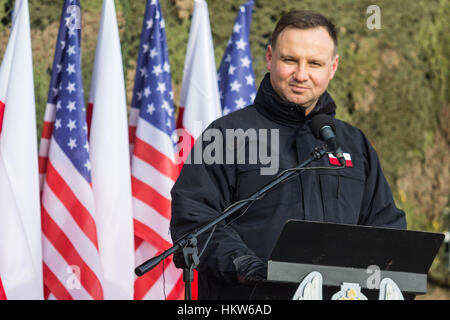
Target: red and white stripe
153, 173
134, 116
72, 268
47, 130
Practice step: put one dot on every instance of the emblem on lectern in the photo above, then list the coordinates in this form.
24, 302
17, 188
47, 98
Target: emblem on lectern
389, 290
349, 291
311, 289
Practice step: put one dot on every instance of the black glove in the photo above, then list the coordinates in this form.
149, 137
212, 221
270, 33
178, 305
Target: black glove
250, 270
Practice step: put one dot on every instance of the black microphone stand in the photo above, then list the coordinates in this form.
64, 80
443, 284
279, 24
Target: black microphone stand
188, 244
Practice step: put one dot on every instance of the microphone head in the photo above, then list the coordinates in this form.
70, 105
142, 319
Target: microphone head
319, 121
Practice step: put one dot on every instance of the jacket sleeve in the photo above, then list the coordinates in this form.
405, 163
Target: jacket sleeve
378, 206
201, 192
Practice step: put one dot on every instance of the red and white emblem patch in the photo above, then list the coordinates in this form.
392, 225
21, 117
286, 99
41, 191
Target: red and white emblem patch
334, 161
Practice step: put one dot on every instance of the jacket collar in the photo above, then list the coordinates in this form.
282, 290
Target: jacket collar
269, 104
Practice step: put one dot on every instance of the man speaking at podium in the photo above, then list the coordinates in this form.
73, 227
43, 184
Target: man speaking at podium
301, 59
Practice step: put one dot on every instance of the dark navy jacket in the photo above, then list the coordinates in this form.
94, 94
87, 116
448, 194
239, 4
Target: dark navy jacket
354, 195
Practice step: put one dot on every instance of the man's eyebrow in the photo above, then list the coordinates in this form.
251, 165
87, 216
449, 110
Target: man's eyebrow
287, 56
316, 61
312, 60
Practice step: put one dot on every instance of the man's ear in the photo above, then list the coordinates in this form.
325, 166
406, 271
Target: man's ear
269, 56
334, 66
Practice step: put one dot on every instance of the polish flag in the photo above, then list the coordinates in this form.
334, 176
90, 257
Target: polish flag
335, 161
20, 218
199, 100
110, 161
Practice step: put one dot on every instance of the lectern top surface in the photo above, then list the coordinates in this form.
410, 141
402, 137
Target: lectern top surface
353, 246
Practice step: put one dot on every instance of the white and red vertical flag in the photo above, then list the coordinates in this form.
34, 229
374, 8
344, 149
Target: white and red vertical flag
154, 169
199, 100
71, 261
236, 79
110, 161
20, 225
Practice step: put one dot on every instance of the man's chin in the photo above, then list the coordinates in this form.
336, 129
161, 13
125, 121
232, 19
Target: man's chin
299, 100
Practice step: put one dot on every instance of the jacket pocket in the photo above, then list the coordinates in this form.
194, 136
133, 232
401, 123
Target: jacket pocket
342, 193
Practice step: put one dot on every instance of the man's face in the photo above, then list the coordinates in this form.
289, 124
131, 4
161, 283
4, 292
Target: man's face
301, 65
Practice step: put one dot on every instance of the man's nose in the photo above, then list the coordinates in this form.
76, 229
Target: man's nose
301, 74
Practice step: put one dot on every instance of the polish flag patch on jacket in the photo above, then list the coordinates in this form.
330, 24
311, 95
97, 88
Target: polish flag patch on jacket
335, 161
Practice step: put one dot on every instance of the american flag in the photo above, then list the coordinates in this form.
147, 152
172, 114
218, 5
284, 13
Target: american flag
52, 98
153, 168
72, 268
236, 80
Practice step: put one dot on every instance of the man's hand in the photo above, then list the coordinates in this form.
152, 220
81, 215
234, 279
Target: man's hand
250, 270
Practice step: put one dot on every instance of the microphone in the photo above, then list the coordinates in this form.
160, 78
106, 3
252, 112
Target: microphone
323, 127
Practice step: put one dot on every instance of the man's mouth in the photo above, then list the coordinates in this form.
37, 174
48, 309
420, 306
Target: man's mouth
298, 89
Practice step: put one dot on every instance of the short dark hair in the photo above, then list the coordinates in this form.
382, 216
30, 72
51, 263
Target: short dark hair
304, 19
